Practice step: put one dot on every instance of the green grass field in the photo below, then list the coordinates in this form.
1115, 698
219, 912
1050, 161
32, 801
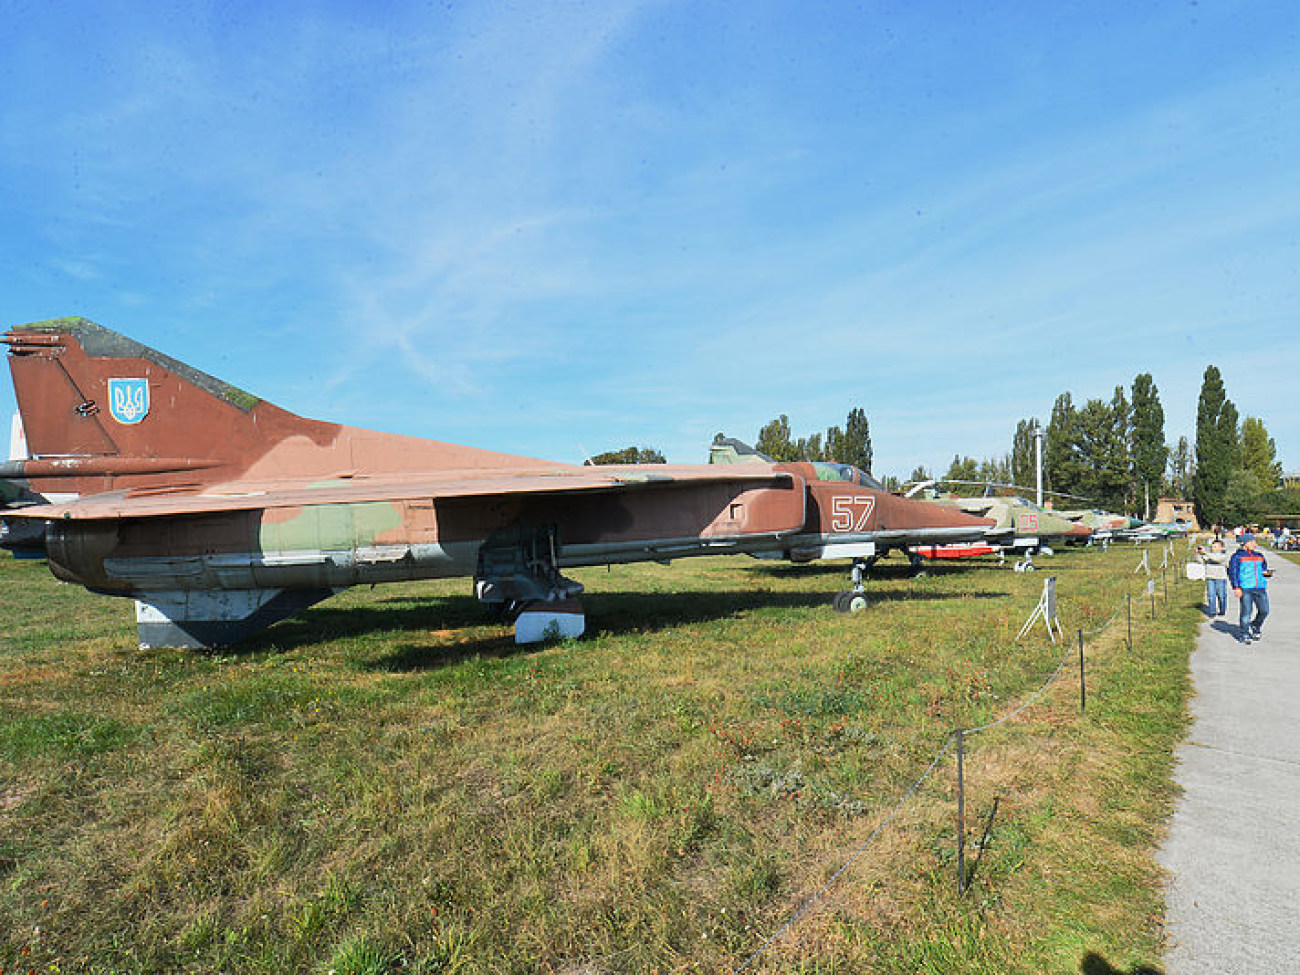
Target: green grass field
388, 784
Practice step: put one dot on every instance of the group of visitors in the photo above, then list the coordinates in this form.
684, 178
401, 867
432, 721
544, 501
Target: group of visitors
1246, 571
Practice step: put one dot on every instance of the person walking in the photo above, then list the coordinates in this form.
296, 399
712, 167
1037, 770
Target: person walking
1216, 578
1248, 573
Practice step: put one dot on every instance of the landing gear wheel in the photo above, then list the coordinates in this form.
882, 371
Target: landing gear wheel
849, 601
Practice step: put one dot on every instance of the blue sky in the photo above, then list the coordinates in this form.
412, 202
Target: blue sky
552, 228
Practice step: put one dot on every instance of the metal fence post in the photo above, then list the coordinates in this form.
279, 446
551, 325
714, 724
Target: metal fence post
1128, 602
1083, 687
961, 813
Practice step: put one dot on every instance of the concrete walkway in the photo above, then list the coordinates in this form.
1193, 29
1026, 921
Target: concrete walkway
1233, 850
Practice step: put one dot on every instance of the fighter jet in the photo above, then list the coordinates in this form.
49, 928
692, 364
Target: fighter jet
728, 450
1020, 525
1105, 525
221, 514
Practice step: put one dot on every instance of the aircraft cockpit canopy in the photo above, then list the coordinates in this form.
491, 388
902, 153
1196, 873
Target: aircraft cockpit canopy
847, 473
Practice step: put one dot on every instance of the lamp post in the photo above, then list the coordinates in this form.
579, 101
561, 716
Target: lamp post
1038, 461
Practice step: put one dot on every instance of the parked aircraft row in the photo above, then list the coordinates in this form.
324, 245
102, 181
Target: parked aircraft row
218, 513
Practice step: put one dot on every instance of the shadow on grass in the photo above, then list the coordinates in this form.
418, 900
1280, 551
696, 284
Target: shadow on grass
901, 595
1094, 964
881, 570
323, 623
973, 866
611, 614
934, 568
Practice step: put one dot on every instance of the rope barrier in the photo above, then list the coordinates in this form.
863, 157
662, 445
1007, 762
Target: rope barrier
862, 848
1028, 701
1100, 629
850, 861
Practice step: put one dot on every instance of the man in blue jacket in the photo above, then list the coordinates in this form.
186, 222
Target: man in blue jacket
1248, 574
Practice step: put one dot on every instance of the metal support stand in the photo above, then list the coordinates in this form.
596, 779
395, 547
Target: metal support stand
859, 573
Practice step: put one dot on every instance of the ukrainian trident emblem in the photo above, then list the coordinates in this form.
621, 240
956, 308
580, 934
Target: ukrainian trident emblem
128, 399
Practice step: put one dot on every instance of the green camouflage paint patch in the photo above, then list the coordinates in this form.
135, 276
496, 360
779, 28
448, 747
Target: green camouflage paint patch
68, 324
332, 527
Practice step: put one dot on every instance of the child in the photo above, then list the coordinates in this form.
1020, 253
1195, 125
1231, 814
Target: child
1216, 578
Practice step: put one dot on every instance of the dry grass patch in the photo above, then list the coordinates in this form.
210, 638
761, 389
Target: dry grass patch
387, 784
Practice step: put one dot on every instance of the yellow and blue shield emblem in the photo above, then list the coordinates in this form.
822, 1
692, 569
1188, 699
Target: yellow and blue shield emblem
128, 400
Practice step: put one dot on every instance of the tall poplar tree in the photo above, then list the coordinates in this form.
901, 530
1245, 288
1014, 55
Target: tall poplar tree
1115, 462
1230, 434
774, 440
857, 441
1023, 460
1066, 469
1150, 452
1102, 450
852, 445
961, 470
1259, 453
1216, 448
995, 470
810, 448
1181, 470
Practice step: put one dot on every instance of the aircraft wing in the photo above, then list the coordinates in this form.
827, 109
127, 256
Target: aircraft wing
355, 488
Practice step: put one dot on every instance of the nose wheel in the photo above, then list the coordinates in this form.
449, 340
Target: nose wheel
854, 600
849, 601
1027, 563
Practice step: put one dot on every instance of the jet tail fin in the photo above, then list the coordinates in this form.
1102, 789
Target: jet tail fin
102, 412
97, 407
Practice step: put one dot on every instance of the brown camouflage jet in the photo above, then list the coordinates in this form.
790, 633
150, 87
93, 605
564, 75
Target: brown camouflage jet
220, 514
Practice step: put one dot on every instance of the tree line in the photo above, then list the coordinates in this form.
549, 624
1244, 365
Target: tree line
1114, 453
848, 445
1111, 453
